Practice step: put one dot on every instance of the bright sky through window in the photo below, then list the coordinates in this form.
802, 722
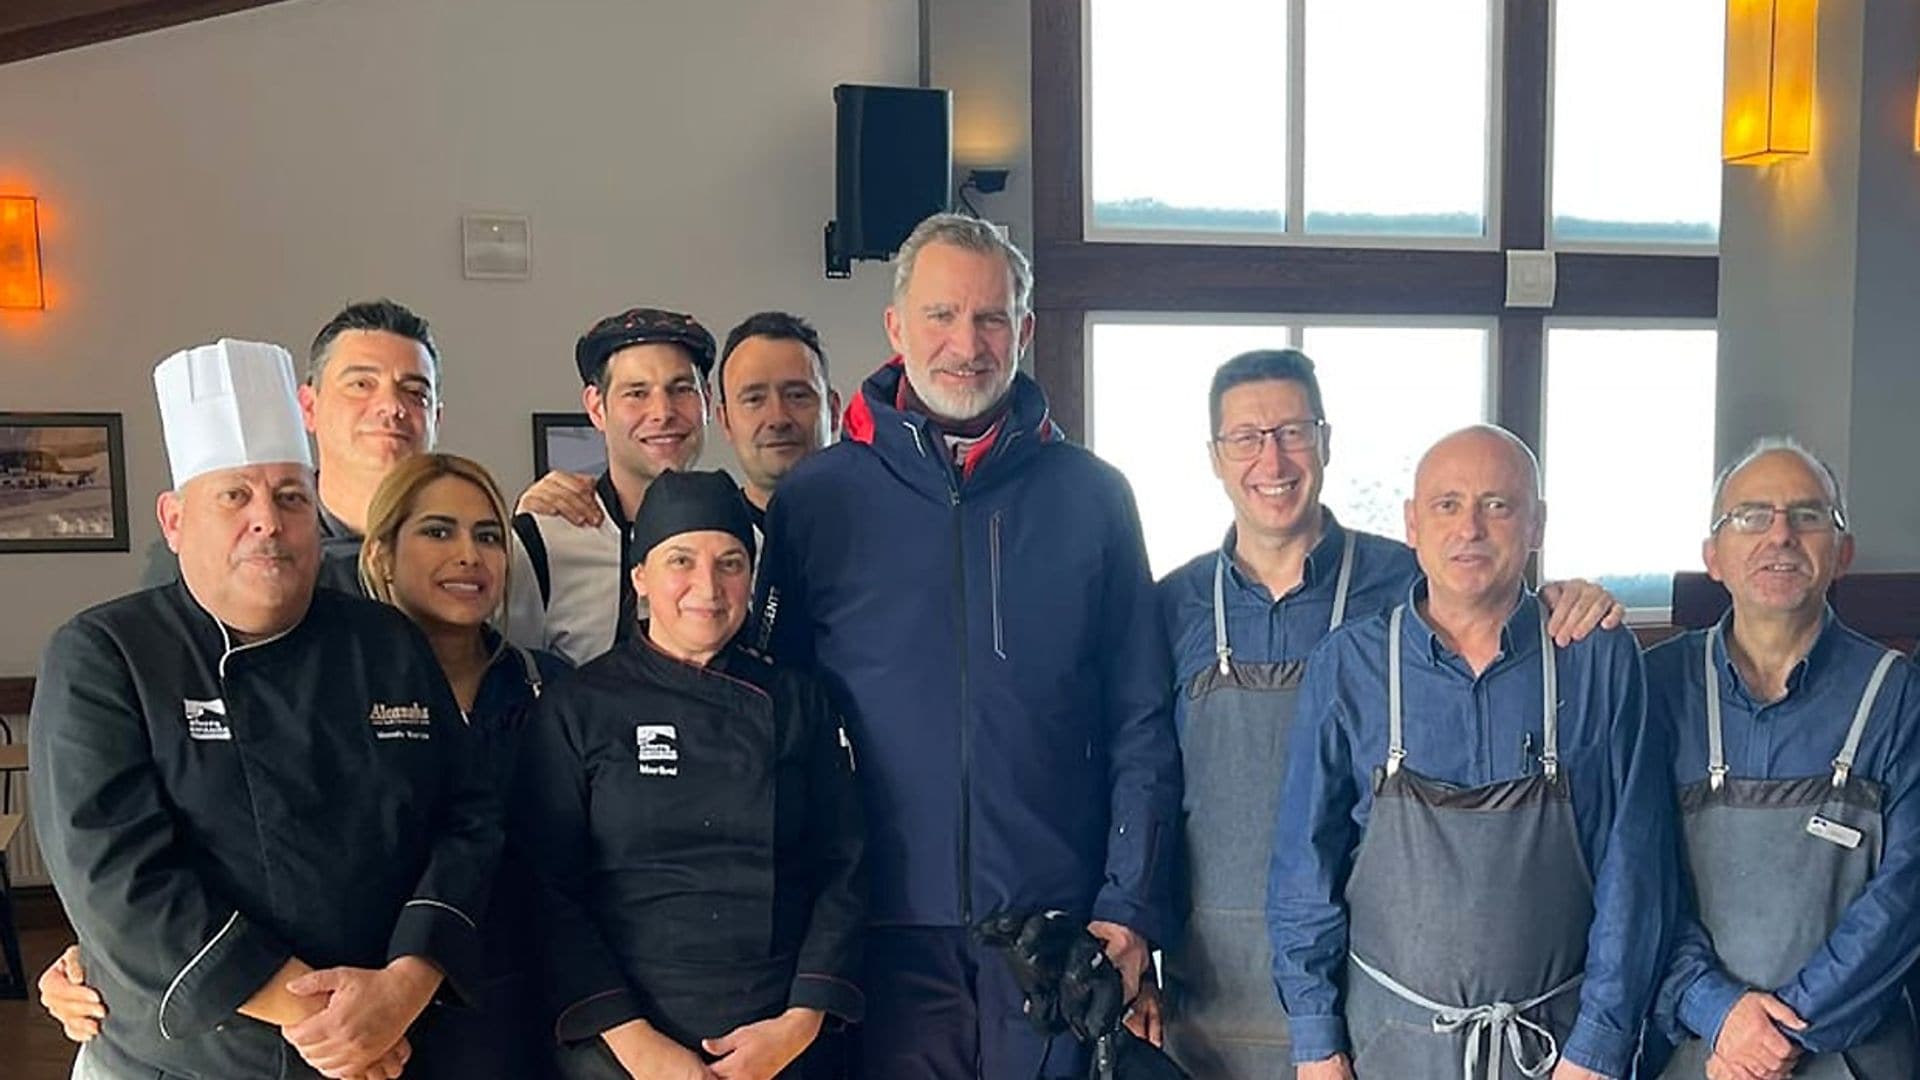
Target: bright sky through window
1396, 112
1636, 119
1629, 456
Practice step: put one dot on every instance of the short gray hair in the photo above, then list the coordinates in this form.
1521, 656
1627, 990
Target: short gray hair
1782, 444
970, 233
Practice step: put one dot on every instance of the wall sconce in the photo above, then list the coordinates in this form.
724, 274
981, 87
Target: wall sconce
1768, 113
20, 285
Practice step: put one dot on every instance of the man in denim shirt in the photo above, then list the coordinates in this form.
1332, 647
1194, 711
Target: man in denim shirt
1474, 851
1796, 766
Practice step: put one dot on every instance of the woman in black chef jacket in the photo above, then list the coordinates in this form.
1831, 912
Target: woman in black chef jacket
692, 811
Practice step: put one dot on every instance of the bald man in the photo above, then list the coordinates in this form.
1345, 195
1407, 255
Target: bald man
1473, 860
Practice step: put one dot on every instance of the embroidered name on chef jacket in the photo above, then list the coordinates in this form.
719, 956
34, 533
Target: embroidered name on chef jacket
410, 721
657, 747
207, 720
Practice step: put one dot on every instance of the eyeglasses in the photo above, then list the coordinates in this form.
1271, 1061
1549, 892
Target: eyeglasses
1754, 518
1244, 444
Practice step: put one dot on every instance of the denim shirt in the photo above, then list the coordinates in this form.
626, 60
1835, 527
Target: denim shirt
1844, 991
1475, 730
1262, 629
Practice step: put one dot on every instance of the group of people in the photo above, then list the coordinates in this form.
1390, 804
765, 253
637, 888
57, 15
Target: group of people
661, 776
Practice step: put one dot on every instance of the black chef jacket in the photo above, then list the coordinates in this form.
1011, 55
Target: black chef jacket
339, 554
700, 844
208, 811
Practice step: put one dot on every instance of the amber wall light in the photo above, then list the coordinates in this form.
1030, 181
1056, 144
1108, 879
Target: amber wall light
1768, 113
20, 285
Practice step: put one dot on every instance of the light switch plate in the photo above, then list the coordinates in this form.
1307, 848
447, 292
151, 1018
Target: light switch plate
495, 247
1532, 277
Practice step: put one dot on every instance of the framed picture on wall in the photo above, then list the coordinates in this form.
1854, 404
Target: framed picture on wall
63, 482
567, 441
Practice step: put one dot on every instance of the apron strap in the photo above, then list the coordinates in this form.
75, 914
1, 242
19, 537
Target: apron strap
1491, 1024
1549, 692
1220, 647
1550, 703
1341, 583
1716, 746
1843, 764
1396, 746
1224, 651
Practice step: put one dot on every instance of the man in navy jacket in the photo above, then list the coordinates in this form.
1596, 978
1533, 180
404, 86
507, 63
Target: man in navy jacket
975, 591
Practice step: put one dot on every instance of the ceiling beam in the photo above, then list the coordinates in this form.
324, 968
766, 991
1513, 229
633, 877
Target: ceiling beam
38, 27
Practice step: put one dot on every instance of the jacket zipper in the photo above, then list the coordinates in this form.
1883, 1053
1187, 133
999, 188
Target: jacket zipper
993, 550
966, 748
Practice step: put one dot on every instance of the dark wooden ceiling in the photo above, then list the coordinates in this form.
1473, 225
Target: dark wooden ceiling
36, 27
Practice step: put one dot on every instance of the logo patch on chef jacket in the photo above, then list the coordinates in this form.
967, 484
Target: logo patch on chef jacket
657, 747
207, 720
410, 721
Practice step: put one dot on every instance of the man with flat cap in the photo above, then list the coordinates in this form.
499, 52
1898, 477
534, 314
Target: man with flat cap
256, 802
645, 374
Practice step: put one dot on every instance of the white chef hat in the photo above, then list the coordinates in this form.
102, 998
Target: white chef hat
229, 404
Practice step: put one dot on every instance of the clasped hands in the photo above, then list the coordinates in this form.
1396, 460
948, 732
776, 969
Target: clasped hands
356, 1019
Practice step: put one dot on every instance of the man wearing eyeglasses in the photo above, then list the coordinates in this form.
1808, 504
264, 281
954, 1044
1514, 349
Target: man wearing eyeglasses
1242, 620
1796, 764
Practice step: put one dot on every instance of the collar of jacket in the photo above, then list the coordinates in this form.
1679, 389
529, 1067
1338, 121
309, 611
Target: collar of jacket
731, 671
913, 448
217, 641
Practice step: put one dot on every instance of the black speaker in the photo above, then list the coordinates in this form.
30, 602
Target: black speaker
893, 166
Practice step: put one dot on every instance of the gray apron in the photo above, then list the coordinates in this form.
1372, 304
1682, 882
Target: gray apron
1774, 864
1225, 1018
1468, 911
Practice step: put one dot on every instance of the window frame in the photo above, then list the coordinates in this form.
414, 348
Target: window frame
1074, 275
1295, 131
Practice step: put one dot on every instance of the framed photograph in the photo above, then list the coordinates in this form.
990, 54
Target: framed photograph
63, 482
568, 441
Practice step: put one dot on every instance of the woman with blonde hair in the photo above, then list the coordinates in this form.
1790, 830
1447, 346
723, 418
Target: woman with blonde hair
436, 548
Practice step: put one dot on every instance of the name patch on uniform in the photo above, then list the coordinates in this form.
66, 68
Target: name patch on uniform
410, 721
657, 747
1833, 832
207, 720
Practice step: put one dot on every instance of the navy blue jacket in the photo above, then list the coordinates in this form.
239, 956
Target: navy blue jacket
991, 635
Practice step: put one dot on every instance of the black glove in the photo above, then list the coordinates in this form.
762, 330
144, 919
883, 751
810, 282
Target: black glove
1093, 998
1037, 947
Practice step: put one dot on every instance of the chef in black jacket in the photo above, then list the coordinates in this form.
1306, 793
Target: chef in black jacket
255, 798
695, 817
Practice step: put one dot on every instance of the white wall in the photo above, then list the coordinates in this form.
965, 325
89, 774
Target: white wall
1818, 325
250, 174
981, 50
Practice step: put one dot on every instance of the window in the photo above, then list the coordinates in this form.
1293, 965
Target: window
1396, 104
1193, 120
1629, 456
1390, 391
1636, 121
1367, 158
1188, 125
